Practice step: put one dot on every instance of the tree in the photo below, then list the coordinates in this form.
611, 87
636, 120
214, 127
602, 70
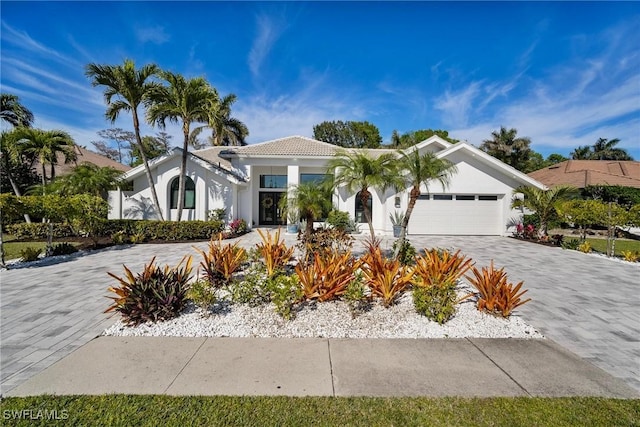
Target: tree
226, 130
414, 137
348, 134
605, 149
183, 101
583, 152
308, 200
153, 147
105, 150
419, 170
123, 139
44, 146
357, 171
16, 168
13, 112
537, 162
125, 89
87, 178
508, 148
580, 213
543, 202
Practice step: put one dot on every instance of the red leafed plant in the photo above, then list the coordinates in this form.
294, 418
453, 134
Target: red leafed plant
221, 261
497, 295
387, 278
328, 276
275, 253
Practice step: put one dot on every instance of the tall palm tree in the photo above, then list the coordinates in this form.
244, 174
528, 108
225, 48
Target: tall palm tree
44, 146
125, 89
358, 171
583, 152
13, 158
421, 169
605, 149
226, 130
13, 112
543, 202
183, 101
507, 147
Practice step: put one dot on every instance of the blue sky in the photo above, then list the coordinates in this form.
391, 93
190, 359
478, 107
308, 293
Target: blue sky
564, 74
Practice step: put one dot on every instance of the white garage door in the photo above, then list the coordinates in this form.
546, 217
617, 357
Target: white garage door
457, 214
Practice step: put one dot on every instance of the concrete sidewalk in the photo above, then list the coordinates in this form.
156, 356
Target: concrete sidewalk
324, 367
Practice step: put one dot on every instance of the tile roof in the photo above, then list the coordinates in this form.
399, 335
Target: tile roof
580, 173
84, 156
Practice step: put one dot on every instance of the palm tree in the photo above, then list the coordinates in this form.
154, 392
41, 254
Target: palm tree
421, 169
125, 89
309, 200
543, 202
357, 171
605, 149
508, 148
226, 130
13, 112
183, 101
87, 178
12, 159
583, 152
44, 146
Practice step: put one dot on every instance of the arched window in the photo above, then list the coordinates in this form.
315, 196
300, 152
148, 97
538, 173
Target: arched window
189, 193
359, 214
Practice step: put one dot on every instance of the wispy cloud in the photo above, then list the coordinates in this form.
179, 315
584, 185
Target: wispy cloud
269, 29
154, 34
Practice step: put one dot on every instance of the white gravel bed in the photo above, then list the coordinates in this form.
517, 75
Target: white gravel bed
331, 320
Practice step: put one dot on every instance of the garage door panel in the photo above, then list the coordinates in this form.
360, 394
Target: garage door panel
456, 217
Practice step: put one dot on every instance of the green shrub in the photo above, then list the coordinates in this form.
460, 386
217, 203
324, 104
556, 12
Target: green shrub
252, 289
285, 292
120, 238
407, 254
137, 238
202, 294
38, 230
437, 303
571, 244
63, 249
29, 254
217, 214
153, 295
342, 221
323, 240
356, 295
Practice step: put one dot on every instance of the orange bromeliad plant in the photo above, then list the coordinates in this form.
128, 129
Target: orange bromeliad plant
497, 295
274, 252
328, 276
387, 278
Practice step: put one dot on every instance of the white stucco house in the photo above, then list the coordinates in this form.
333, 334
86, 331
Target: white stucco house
248, 182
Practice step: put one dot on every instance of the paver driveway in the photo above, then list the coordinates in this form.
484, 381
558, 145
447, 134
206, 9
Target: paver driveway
584, 303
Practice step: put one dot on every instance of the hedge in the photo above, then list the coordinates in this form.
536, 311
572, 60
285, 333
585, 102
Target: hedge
154, 230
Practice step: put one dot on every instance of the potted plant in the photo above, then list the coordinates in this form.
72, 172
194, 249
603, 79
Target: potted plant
396, 220
292, 221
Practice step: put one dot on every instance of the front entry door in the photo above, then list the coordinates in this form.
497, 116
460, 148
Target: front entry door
269, 209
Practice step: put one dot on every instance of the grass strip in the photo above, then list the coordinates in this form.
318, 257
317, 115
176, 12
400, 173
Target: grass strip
155, 410
600, 245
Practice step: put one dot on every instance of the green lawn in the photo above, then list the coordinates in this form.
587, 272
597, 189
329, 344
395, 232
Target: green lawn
600, 245
117, 410
12, 249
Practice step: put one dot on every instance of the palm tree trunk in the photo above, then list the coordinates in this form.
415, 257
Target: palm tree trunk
309, 227
413, 197
53, 172
147, 170
183, 169
364, 197
16, 190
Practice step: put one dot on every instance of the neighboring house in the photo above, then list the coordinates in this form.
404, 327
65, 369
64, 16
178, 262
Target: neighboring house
83, 156
249, 181
581, 173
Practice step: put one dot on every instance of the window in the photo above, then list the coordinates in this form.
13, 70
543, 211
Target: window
423, 197
315, 178
189, 193
273, 181
360, 217
442, 197
487, 198
464, 197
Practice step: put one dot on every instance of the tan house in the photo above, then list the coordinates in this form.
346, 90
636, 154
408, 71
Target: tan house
581, 173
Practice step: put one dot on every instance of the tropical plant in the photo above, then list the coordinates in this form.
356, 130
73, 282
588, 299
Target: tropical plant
44, 146
437, 266
406, 252
221, 261
285, 292
16, 167
631, 256
202, 294
63, 248
87, 178
125, 89
358, 172
30, 253
308, 200
580, 213
387, 278
324, 240
153, 295
437, 303
356, 295
585, 247
605, 149
507, 147
226, 130
583, 152
238, 227
543, 202
497, 295
397, 218
421, 170
182, 101
275, 252
328, 276
13, 112
252, 288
